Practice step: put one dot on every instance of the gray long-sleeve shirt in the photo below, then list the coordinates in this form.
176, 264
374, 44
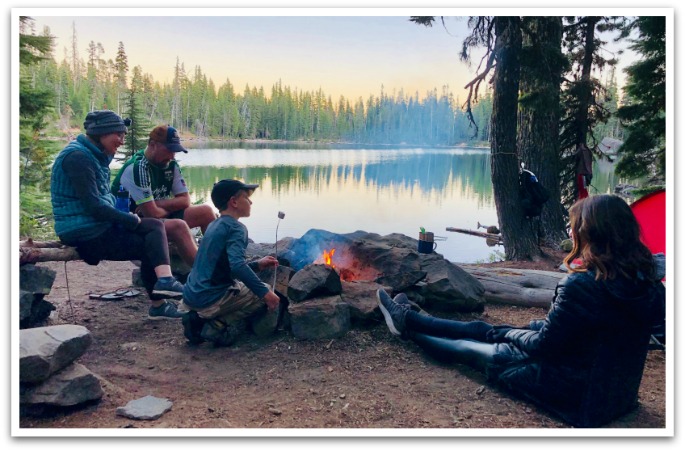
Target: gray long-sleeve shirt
219, 260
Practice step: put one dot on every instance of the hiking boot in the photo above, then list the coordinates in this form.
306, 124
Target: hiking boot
167, 286
192, 327
219, 333
393, 312
402, 299
167, 310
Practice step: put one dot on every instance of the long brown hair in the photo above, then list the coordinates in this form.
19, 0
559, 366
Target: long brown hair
606, 237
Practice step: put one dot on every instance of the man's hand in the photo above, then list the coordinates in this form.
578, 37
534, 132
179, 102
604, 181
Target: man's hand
267, 262
271, 300
151, 210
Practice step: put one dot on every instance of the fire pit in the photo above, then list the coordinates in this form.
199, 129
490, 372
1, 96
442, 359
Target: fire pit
331, 279
391, 261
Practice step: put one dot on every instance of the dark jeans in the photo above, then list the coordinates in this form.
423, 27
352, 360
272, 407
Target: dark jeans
147, 243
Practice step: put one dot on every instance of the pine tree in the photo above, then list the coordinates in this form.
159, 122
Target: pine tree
140, 127
121, 71
644, 150
35, 110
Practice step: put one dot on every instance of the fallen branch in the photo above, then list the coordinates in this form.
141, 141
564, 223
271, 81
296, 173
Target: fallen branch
490, 236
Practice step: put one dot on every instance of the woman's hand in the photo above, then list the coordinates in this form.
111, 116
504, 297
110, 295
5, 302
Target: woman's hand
267, 262
497, 333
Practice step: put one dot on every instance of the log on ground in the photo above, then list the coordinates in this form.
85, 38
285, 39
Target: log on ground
55, 251
42, 253
523, 287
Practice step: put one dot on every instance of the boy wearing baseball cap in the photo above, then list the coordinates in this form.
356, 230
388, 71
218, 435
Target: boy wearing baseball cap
222, 289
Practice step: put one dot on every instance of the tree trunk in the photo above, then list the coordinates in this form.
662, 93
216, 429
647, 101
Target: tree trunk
520, 239
585, 95
538, 131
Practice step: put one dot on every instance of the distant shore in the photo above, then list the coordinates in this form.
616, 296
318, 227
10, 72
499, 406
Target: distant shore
193, 138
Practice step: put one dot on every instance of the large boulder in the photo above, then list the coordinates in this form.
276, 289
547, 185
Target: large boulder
312, 281
36, 279
320, 318
283, 276
361, 297
450, 288
34, 283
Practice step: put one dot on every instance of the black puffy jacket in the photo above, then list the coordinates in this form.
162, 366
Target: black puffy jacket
585, 359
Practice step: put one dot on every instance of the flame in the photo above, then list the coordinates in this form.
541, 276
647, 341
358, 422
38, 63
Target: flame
328, 257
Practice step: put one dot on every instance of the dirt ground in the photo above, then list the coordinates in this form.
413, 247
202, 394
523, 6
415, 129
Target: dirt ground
366, 379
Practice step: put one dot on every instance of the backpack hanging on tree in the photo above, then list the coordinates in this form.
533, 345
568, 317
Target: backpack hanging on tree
533, 194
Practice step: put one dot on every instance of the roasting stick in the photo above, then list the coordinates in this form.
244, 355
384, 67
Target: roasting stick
281, 215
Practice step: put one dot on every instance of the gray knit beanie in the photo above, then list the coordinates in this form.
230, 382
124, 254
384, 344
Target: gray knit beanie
103, 122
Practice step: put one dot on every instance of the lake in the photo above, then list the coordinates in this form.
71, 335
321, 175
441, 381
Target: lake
371, 188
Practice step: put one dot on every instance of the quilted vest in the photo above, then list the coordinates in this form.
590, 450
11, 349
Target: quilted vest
72, 223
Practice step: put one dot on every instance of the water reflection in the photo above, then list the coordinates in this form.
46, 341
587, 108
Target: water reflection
343, 189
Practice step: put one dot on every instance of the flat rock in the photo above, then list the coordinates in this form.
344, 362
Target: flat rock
145, 408
46, 350
74, 385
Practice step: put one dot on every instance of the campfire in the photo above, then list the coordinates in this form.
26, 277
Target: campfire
328, 257
349, 268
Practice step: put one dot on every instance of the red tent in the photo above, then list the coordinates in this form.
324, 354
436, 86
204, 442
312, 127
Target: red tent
650, 212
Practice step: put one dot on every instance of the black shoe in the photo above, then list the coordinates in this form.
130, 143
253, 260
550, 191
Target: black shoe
393, 312
167, 286
167, 310
192, 327
402, 299
219, 333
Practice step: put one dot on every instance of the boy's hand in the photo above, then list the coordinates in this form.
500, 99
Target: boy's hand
267, 262
271, 300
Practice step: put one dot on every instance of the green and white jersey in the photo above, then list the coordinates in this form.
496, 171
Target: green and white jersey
146, 182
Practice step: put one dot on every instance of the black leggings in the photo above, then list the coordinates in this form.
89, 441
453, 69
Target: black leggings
452, 341
446, 328
147, 243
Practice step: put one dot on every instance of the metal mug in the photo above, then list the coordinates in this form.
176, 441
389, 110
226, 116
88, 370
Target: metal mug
426, 247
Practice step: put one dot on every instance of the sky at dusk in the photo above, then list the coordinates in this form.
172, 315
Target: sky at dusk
344, 55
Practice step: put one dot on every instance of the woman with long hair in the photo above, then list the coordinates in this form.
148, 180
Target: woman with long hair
584, 361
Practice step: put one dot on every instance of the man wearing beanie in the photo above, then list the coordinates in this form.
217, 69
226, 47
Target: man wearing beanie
157, 189
222, 290
86, 218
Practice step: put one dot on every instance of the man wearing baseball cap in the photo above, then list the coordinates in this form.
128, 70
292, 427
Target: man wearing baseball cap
157, 189
223, 291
